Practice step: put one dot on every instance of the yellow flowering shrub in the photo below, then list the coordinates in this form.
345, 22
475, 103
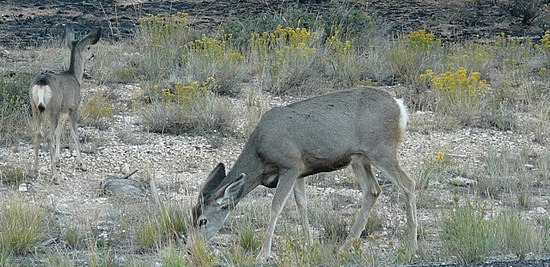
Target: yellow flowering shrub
160, 29
422, 40
545, 42
338, 46
457, 93
281, 38
184, 93
456, 83
284, 56
216, 50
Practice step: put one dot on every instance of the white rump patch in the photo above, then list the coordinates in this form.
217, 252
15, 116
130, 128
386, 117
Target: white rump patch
41, 95
403, 114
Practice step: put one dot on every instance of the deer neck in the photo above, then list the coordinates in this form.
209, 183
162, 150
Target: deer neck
251, 165
76, 66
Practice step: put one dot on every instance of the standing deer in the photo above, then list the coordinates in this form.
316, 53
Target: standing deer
54, 94
363, 127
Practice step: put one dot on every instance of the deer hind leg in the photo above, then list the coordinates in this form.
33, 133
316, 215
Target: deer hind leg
287, 179
301, 204
390, 167
37, 137
370, 190
74, 136
53, 147
57, 138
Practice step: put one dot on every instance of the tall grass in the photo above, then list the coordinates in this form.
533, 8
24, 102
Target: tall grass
467, 235
22, 227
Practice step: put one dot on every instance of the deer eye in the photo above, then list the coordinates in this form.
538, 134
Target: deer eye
203, 222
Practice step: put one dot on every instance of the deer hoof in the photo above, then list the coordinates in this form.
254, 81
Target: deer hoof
263, 258
82, 167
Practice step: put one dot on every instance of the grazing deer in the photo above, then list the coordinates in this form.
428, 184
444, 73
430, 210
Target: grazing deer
363, 127
54, 94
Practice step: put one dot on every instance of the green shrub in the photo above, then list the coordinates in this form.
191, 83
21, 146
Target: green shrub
159, 41
215, 58
173, 223
97, 111
422, 40
467, 235
545, 41
339, 19
192, 108
116, 63
200, 254
14, 107
148, 235
73, 236
286, 60
505, 172
407, 57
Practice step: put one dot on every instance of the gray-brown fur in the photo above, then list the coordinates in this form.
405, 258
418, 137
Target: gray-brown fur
362, 127
54, 94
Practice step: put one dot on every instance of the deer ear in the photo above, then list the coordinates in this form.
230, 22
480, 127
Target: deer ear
69, 37
232, 192
213, 181
91, 38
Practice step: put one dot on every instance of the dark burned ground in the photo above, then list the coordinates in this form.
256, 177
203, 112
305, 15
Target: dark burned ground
26, 23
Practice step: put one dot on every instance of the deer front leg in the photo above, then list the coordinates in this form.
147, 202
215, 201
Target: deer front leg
287, 179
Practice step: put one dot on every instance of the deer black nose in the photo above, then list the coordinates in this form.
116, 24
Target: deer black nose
41, 108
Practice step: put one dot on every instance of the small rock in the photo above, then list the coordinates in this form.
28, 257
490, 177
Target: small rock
23, 187
461, 181
541, 210
124, 188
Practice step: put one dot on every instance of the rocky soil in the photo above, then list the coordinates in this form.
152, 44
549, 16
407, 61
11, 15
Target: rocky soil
179, 163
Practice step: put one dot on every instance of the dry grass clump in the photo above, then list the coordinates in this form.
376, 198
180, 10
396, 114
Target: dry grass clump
192, 108
96, 110
22, 226
467, 235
